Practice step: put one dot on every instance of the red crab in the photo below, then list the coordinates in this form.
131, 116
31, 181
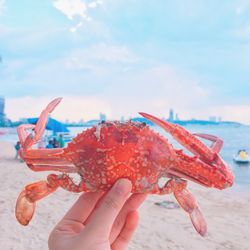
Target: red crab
113, 150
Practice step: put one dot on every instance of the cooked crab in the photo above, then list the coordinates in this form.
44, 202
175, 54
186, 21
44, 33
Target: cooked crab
112, 150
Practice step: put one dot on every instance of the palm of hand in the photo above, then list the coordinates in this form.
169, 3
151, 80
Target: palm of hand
99, 221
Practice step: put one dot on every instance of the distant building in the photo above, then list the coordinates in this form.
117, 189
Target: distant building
171, 115
122, 119
177, 117
212, 119
102, 117
81, 121
2, 103
2, 115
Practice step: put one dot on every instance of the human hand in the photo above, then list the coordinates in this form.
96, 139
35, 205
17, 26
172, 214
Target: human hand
99, 222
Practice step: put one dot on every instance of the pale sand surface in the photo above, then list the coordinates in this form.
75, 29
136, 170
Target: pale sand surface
227, 213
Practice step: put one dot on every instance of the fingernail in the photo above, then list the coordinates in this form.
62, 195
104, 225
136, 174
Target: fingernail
123, 186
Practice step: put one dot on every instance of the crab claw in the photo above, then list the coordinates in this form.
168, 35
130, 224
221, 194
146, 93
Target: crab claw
24, 209
184, 137
217, 142
28, 140
198, 221
22, 132
43, 119
51, 106
26, 201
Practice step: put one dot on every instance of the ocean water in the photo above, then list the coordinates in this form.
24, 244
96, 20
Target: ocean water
234, 138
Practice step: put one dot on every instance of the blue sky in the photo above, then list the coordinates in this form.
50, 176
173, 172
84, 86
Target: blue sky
120, 57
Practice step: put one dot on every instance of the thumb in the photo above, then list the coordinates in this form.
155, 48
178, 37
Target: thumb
104, 216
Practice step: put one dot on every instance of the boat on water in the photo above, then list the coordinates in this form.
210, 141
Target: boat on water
242, 157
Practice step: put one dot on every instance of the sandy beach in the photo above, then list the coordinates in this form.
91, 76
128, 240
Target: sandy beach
227, 214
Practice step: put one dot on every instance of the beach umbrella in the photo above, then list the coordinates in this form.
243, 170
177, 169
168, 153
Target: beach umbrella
52, 124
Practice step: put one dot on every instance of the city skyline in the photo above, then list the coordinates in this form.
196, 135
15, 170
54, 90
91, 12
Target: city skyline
171, 116
122, 57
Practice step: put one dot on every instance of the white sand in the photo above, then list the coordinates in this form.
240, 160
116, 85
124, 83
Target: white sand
227, 213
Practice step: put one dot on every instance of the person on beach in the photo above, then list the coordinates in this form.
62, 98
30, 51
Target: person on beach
242, 153
42, 142
17, 147
61, 141
55, 143
99, 221
50, 144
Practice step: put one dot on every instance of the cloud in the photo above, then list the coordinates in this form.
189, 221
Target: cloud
95, 4
71, 107
105, 53
154, 90
72, 8
76, 9
117, 93
77, 26
79, 72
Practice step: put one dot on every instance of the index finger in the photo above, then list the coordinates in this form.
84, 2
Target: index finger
83, 207
104, 216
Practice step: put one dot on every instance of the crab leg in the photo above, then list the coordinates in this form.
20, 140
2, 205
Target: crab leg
186, 201
22, 132
184, 137
26, 201
40, 125
217, 142
170, 186
47, 160
60, 168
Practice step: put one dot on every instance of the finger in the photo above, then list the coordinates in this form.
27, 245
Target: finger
80, 211
72, 222
127, 232
103, 217
131, 204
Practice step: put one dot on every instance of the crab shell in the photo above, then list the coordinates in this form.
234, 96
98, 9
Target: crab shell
114, 150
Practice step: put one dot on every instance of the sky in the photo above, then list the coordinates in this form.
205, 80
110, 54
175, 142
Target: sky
120, 57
